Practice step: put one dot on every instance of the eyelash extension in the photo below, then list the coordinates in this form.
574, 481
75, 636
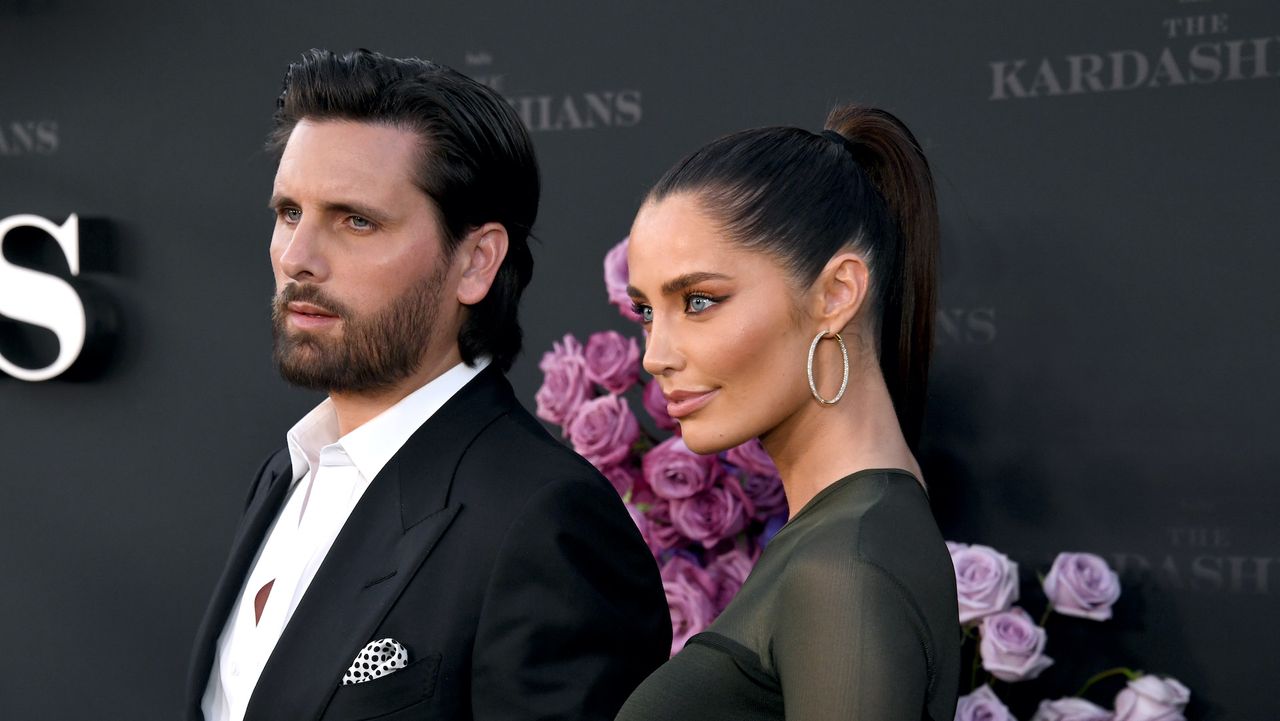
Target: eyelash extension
639, 309
705, 296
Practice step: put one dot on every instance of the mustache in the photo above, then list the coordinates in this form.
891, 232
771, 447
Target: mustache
300, 293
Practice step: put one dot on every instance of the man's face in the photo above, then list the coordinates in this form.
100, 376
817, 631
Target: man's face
359, 260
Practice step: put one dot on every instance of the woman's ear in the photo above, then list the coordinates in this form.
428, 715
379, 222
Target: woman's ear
480, 255
841, 290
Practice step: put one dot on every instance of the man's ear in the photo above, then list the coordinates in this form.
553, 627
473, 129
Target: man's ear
841, 290
480, 255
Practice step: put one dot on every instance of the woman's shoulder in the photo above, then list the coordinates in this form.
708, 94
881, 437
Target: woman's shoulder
865, 518
874, 536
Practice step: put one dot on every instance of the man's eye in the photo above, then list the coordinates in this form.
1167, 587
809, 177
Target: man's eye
360, 223
291, 215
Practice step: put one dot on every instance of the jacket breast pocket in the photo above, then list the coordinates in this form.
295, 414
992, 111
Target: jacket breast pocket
371, 699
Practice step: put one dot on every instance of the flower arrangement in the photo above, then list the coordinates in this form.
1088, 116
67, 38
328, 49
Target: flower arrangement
1009, 645
705, 518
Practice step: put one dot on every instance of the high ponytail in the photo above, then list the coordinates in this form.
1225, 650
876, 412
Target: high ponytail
894, 163
803, 198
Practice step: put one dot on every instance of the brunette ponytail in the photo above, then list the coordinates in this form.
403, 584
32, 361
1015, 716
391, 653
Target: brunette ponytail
894, 163
863, 184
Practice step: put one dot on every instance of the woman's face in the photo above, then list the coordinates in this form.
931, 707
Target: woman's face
727, 333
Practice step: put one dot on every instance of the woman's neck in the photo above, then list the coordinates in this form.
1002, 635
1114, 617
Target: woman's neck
821, 444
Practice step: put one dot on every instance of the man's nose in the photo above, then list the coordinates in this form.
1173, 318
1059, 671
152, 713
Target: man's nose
302, 254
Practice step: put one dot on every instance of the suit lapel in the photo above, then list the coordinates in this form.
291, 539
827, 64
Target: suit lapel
269, 494
398, 521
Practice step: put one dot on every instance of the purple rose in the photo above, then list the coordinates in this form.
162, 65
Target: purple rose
688, 590
759, 478
613, 361
616, 277
1070, 709
1082, 585
683, 565
623, 476
728, 571
1151, 698
641, 521
982, 705
673, 471
714, 514
752, 458
766, 494
986, 580
602, 430
1012, 646
663, 535
656, 404
564, 381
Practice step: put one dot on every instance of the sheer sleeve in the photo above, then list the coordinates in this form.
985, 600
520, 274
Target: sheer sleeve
849, 642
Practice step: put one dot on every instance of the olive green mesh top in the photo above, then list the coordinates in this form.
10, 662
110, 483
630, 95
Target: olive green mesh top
850, 613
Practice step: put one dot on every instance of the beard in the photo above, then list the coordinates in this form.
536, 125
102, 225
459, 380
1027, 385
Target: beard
373, 352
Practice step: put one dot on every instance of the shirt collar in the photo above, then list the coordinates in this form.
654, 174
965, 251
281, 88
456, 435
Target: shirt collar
371, 446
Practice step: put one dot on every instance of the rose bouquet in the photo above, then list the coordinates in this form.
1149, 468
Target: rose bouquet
705, 518
1009, 645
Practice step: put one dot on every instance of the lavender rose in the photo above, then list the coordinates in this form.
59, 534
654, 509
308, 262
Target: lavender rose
564, 381
616, 277
663, 535
716, 513
752, 458
613, 361
986, 580
684, 566
686, 587
602, 430
656, 405
1012, 646
1082, 585
729, 570
982, 705
641, 521
673, 471
623, 476
759, 478
1151, 698
766, 494
1070, 709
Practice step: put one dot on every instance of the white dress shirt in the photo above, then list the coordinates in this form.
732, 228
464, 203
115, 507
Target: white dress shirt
330, 474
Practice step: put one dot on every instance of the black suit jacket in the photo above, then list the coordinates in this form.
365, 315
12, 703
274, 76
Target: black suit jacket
504, 562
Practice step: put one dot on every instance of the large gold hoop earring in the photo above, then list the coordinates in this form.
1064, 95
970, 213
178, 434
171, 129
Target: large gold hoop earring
813, 385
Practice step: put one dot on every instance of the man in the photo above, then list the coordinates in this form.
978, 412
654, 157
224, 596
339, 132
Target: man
422, 548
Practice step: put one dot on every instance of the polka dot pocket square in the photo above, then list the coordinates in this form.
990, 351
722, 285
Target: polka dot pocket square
379, 658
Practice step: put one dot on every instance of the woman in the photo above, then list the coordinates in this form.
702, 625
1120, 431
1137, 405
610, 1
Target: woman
786, 279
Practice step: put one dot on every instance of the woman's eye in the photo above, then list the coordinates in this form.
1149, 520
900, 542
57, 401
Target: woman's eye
699, 303
644, 311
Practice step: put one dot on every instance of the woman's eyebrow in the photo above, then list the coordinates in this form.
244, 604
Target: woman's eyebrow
676, 285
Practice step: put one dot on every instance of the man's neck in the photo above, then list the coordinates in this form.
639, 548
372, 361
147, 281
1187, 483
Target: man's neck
356, 409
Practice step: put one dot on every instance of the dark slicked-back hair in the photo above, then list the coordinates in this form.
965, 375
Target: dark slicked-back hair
477, 162
803, 197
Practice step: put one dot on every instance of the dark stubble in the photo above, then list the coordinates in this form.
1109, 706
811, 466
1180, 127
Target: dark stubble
372, 353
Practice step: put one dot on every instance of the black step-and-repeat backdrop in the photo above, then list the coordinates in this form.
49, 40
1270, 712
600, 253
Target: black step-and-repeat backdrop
1108, 180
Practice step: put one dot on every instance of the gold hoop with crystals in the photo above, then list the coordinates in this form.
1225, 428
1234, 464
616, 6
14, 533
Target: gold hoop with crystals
844, 382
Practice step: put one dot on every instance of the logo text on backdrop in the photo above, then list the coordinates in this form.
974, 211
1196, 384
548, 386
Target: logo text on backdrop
44, 299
